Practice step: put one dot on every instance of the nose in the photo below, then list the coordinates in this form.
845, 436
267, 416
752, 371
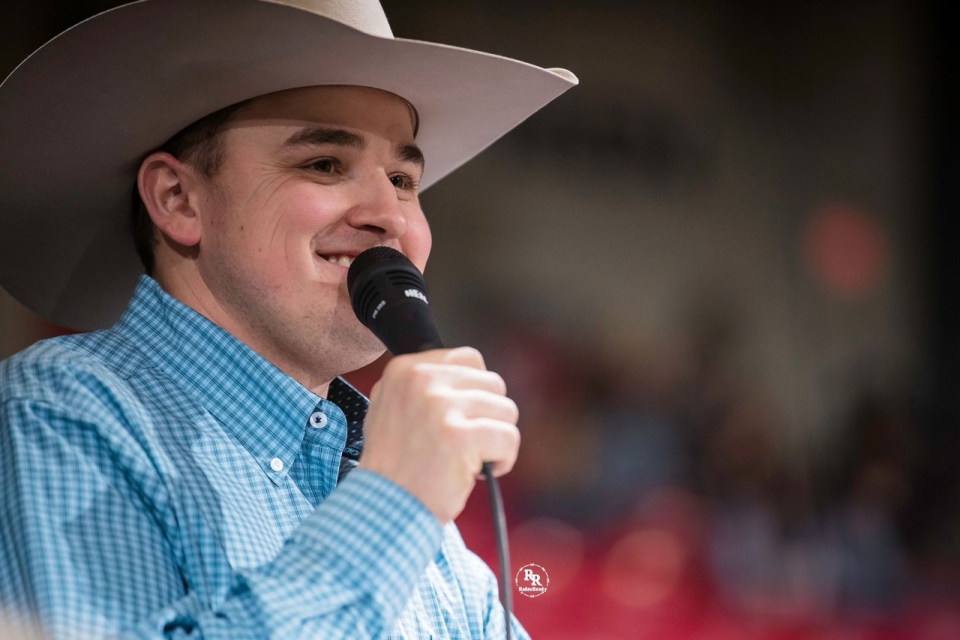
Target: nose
377, 208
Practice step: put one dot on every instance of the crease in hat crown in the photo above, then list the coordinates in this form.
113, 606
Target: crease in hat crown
363, 15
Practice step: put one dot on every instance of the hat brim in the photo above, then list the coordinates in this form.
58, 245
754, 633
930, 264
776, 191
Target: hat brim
78, 116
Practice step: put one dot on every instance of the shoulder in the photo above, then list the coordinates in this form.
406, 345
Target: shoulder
83, 377
71, 399
50, 369
74, 438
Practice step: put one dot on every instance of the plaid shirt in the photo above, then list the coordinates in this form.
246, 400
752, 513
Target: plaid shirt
160, 479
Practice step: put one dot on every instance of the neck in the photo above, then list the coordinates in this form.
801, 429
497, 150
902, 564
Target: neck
198, 297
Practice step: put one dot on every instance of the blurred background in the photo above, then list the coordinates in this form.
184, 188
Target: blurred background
721, 281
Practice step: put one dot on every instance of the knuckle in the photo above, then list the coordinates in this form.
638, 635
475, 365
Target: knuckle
506, 435
419, 376
459, 427
515, 439
437, 402
513, 410
500, 385
454, 431
469, 356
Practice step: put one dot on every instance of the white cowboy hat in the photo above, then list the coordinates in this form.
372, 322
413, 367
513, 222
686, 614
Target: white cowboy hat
78, 116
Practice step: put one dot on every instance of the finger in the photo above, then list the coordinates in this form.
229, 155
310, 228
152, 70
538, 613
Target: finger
466, 356
494, 441
477, 403
462, 377
375, 391
479, 379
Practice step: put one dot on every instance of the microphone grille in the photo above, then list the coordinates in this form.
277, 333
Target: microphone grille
373, 257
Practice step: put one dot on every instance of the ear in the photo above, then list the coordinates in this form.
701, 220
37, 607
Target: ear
166, 187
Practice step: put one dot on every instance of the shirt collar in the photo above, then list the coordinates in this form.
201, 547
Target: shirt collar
264, 409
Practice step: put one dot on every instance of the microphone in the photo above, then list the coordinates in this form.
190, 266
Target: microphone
389, 296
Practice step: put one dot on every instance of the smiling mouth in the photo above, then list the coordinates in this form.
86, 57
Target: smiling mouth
338, 259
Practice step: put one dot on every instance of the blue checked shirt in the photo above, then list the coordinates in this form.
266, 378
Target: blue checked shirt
160, 479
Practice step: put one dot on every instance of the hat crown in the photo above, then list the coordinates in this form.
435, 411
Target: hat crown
362, 15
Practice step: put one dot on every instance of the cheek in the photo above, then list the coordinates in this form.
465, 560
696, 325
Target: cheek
418, 241
307, 210
273, 227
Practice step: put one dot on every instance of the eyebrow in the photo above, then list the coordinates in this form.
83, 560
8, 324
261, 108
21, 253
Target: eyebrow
410, 153
316, 136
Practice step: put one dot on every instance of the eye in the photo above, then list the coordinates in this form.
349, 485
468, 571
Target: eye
403, 181
323, 165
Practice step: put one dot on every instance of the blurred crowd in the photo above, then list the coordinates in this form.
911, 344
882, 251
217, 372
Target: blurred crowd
658, 492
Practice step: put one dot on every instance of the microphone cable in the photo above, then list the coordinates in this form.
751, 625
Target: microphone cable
503, 549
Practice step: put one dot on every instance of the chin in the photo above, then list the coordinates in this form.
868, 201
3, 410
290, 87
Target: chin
370, 351
355, 346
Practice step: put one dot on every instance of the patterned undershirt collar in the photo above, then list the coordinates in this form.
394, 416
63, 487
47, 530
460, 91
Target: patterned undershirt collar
354, 406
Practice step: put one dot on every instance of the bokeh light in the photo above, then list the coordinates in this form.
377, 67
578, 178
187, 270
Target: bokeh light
846, 249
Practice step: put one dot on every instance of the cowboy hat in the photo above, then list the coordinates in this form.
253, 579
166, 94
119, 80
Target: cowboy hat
78, 116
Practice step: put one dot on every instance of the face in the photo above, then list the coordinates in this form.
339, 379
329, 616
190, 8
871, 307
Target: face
311, 177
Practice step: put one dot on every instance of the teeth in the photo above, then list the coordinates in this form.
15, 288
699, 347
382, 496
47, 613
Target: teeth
343, 261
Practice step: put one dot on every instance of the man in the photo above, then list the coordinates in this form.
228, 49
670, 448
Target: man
187, 472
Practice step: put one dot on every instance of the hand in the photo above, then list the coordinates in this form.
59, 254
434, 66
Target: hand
434, 419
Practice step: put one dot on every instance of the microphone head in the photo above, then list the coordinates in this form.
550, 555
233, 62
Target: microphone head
373, 257
389, 296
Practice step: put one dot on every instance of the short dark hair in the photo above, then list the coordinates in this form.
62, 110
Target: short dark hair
199, 144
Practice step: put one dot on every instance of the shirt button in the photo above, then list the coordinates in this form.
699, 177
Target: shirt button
318, 420
276, 464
